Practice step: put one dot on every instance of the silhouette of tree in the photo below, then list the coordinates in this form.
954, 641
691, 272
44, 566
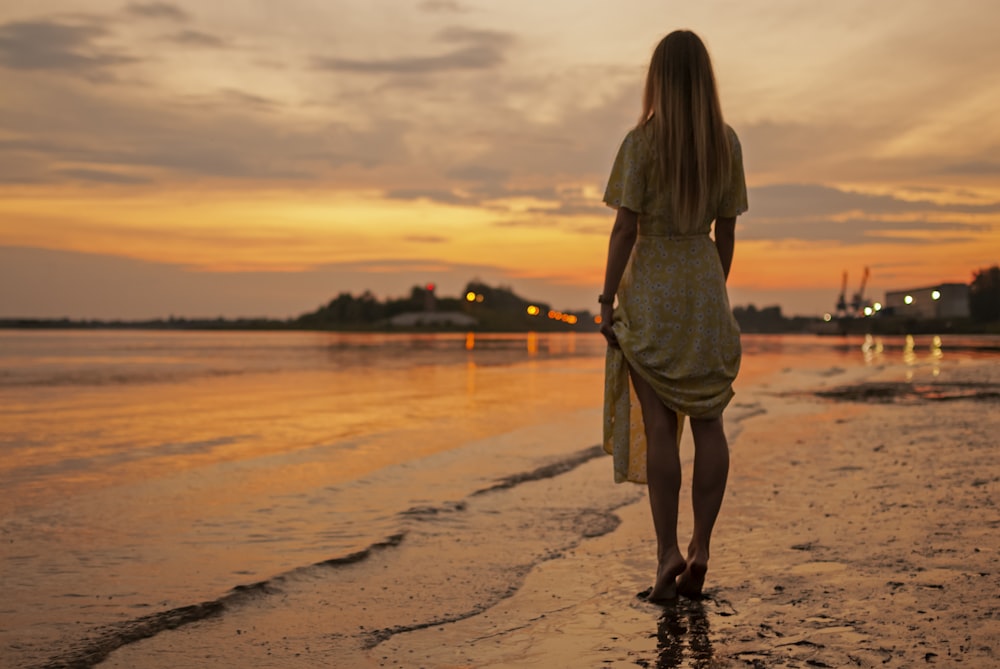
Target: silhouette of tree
984, 295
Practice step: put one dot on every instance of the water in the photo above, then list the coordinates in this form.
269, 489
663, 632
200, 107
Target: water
146, 471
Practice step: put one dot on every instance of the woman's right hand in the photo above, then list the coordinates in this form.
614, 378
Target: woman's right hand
607, 320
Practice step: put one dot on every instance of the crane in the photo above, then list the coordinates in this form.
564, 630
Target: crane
858, 303
841, 301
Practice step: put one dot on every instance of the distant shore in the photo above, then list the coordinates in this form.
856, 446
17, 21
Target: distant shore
794, 325
266, 324
485, 308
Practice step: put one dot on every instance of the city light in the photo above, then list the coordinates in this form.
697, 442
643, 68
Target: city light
479, 297
827, 317
936, 295
533, 310
908, 299
470, 296
869, 311
565, 318
877, 306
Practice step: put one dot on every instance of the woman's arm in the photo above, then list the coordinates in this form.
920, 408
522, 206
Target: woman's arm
725, 241
623, 236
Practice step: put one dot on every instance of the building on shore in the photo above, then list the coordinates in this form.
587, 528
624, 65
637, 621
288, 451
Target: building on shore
946, 300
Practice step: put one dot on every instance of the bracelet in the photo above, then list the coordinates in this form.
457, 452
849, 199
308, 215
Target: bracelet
606, 299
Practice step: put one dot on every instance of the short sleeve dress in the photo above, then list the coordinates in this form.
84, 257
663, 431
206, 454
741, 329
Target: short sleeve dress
673, 321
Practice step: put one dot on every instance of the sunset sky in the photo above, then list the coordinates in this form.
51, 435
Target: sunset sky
246, 158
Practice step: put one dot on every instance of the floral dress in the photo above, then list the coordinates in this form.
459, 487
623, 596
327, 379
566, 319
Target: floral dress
673, 321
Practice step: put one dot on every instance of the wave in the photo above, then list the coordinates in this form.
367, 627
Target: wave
104, 377
372, 638
545, 471
426, 512
95, 649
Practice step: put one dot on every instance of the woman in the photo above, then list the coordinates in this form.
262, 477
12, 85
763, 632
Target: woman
673, 342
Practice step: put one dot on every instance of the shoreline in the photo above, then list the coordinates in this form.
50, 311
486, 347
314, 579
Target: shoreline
813, 327
871, 548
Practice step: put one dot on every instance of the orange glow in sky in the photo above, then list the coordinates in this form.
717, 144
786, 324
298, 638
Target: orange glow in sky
245, 159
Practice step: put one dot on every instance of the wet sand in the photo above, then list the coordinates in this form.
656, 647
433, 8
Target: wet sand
859, 530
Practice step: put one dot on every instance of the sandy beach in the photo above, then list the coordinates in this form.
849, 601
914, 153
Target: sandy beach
859, 530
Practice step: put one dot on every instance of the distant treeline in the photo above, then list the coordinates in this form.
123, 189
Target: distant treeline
365, 309
495, 309
770, 320
500, 309
984, 295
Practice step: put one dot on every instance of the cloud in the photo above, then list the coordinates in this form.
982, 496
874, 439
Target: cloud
869, 148
574, 143
27, 169
818, 213
493, 197
32, 146
974, 168
440, 196
229, 137
59, 47
157, 10
477, 50
442, 6
573, 208
477, 173
426, 239
864, 231
196, 38
229, 96
101, 176
475, 144
817, 201
470, 139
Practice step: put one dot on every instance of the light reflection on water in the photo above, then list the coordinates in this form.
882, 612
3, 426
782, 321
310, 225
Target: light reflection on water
925, 351
37, 358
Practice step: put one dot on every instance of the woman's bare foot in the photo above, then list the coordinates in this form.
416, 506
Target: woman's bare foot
667, 572
692, 581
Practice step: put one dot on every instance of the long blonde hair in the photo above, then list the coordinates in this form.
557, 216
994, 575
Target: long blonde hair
691, 140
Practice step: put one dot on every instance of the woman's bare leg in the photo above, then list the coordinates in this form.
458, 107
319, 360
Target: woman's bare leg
708, 487
663, 474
